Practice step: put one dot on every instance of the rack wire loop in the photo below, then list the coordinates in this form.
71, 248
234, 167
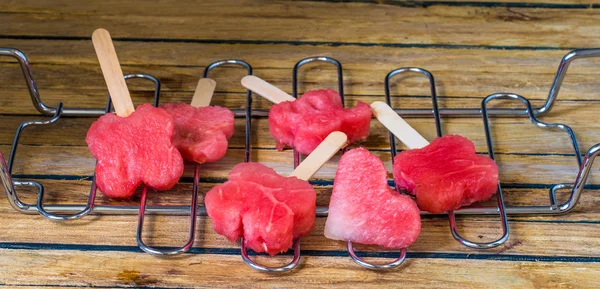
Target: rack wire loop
148, 77
340, 83
55, 217
437, 119
358, 260
247, 112
337, 64
192, 231
285, 268
434, 103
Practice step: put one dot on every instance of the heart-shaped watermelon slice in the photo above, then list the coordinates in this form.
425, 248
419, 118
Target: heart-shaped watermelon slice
364, 209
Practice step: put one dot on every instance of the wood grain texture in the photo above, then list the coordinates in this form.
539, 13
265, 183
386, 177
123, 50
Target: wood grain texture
473, 48
437, 24
97, 269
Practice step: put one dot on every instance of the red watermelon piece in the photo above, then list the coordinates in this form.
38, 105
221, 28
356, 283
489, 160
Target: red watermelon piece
446, 175
267, 209
364, 209
134, 150
304, 123
201, 133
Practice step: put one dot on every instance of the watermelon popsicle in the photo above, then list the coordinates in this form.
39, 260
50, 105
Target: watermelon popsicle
305, 122
132, 146
201, 131
444, 175
364, 209
267, 210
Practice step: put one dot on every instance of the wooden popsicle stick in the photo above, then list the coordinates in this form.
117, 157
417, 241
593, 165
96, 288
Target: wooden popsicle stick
265, 89
204, 92
398, 126
113, 75
313, 162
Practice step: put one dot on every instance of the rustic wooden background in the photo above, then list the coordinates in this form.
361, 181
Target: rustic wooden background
473, 49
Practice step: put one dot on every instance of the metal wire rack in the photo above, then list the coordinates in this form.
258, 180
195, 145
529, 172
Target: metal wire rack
69, 212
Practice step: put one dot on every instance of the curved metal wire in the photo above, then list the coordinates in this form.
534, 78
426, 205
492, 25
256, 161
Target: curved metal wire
247, 112
193, 207
371, 266
7, 181
501, 209
39, 207
560, 76
55, 217
497, 112
280, 269
297, 157
451, 112
340, 77
149, 77
248, 116
91, 199
338, 65
9, 187
37, 102
435, 111
582, 176
553, 208
394, 152
436, 114
192, 232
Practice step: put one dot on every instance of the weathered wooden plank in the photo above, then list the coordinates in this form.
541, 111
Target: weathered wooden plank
84, 79
527, 72
206, 270
438, 24
517, 2
284, 56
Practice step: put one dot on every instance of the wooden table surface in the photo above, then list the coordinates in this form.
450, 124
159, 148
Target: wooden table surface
473, 48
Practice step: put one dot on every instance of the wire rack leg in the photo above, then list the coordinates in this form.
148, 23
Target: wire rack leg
290, 266
54, 217
192, 233
372, 266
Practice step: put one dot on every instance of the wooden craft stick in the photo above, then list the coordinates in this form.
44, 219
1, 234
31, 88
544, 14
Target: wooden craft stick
327, 149
113, 75
265, 89
204, 92
398, 126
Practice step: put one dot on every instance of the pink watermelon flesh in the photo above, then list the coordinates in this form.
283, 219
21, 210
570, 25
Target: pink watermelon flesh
364, 209
134, 150
267, 209
304, 123
446, 175
201, 133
